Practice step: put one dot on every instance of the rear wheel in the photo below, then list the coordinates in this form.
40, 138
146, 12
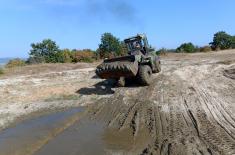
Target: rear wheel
121, 82
145, 75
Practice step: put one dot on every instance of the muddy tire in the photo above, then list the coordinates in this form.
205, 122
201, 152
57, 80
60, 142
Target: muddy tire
121, 82
145, 75
158, 67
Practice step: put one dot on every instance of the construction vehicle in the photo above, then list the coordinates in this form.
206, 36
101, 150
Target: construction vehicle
141, 62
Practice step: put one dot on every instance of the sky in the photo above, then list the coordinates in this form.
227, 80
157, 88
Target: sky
79, 24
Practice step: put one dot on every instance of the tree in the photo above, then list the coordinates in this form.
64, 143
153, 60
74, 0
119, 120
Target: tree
222, 40
46, 51
64, 56
186, 47
124, 48
109, 45
233, 42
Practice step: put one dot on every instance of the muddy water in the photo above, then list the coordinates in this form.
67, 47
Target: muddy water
57, 133
83, 137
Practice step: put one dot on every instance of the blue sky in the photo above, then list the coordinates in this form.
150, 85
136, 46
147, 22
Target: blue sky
80, 23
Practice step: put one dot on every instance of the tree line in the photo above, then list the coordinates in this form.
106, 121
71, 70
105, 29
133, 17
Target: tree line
221, 41
110, 46
48, 51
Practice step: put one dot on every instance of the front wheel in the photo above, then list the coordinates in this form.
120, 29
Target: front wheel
158, 67
145, 75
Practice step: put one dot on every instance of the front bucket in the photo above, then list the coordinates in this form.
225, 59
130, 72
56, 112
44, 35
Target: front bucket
111, 69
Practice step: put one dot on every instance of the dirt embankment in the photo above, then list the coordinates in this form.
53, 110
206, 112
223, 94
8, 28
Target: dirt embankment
189, 108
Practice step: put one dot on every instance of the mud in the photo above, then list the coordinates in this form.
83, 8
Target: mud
83, 137
189, 109
28, 136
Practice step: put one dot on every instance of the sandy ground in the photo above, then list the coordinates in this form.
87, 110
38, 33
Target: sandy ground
189, 108
49, 86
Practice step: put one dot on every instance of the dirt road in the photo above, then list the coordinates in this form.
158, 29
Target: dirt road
189, 109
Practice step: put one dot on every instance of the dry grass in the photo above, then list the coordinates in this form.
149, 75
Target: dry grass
45, 68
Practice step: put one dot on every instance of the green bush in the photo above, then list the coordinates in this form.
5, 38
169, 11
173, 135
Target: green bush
1, 71
15, 63
233, 42
187, 47
64, 56
35, 60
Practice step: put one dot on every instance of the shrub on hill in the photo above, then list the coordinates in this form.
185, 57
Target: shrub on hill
85, 55
205, 49
162, 51
1, 71
15, 63
64, 56
187, 48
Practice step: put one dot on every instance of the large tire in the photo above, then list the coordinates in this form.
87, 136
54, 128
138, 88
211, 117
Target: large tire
121, 82
145, 75
158, 67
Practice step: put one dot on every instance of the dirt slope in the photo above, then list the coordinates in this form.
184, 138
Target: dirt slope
189, 109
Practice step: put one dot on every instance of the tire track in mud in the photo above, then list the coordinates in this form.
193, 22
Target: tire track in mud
172, 116
214, 127
187, 110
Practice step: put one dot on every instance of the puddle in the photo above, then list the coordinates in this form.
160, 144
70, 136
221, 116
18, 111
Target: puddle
83, 137
29, 136
63, 133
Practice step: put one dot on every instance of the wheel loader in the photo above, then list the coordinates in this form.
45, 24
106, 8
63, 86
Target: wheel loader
141, 62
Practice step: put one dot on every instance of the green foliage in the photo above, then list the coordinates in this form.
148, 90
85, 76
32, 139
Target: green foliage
110, 45
64, 56
222, 41
233, 42
46, 51
187, 47
124, 49
1, 71
15, 63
